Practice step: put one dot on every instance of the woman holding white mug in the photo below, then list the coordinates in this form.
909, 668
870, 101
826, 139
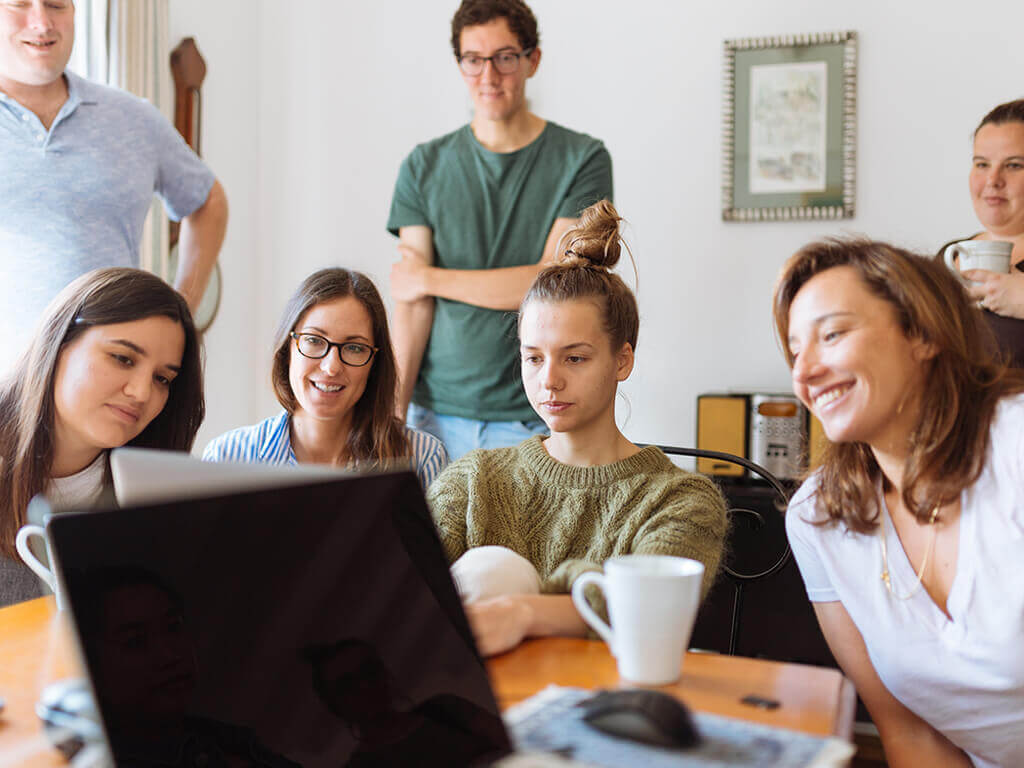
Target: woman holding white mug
566, 503
996, 184
115, 361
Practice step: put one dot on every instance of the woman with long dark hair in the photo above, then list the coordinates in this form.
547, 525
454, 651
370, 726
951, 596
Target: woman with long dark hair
115, 361
334, 374
909, 536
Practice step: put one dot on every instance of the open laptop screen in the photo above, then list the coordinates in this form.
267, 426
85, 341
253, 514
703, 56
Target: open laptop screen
312, 625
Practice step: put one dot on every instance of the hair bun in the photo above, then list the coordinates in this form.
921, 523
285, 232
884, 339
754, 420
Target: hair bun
595, 240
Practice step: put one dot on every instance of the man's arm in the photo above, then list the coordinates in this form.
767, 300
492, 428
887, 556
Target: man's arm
908, 740
415, 278
410, 328
199, 242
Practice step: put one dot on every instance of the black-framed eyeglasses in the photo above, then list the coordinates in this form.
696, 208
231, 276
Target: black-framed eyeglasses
353, 353
506, 62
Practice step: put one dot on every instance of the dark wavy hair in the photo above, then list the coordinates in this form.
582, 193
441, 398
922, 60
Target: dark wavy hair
376, 435
963, 385
27, 410
520, 18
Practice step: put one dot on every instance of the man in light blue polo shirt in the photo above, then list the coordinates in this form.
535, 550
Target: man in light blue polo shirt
79, 165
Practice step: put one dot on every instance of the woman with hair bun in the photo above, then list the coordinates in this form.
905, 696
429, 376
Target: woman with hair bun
524, 522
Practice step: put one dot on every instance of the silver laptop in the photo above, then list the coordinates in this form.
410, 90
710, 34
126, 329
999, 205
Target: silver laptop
144, 476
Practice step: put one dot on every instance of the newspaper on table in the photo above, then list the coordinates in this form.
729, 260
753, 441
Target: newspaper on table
551, 722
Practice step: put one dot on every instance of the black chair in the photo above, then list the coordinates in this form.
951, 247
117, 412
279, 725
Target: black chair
741, 571
767, 613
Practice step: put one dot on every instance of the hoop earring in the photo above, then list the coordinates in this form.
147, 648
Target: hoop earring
629, 406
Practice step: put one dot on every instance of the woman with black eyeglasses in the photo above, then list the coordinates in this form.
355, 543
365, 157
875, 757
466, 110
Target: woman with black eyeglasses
334, 374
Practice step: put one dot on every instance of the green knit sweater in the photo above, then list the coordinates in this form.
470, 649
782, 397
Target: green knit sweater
567, 520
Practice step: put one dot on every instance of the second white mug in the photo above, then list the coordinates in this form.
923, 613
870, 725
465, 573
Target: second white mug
21, 542
993, 255
652, 604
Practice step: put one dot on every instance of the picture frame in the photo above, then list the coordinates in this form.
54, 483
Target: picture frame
789, 127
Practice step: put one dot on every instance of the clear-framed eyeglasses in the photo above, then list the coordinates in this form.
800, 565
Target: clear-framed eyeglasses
353, 353
506, 62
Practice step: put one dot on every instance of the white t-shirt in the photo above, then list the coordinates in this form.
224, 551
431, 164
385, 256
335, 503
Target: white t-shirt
80, 490
965, 675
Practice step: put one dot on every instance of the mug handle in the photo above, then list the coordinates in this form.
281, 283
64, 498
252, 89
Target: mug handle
588, 613
951, 252
21, 543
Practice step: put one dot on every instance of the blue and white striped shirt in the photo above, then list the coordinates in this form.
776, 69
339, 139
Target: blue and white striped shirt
269, 442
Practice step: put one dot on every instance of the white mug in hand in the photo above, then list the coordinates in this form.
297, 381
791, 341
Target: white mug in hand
652, 604
993, 255
21, 542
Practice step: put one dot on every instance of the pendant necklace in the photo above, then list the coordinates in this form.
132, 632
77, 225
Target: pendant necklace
924, 562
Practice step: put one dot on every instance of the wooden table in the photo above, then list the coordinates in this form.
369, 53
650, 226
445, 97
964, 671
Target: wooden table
35, 649
812, 699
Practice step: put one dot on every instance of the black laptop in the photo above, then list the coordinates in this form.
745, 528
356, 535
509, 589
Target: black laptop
313, 625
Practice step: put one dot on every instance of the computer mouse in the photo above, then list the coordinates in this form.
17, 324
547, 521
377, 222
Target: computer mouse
69, 716
649, 716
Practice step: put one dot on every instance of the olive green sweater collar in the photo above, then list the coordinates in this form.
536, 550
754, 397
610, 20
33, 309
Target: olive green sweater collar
534, 455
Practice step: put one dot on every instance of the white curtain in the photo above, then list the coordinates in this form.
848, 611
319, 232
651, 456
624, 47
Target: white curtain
125, 43
140, 62
91, 52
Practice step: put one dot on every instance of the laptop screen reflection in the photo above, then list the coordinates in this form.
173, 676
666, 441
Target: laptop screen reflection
313, 625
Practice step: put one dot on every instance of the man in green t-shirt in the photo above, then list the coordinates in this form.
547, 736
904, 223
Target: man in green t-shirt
478, 213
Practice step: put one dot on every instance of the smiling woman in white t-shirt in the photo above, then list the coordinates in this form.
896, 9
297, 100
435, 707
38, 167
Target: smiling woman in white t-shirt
115, 361
909, 536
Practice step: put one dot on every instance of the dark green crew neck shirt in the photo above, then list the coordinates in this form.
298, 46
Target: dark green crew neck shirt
489, 210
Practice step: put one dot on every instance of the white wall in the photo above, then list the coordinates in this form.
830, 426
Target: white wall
310, 107
227, 33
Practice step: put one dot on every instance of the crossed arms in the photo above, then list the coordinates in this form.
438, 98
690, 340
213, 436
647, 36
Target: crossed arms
415, 282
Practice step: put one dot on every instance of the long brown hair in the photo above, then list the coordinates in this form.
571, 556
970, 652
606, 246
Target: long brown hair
27, 410
583, 271
376, 435
963, 385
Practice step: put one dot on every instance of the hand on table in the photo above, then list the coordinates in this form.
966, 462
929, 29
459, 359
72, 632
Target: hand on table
409, 275
996, 292
499, 623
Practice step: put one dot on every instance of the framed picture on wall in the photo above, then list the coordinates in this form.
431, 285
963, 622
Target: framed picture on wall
789, 127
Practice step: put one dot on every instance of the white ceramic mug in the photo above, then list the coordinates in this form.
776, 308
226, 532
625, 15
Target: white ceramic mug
652, 604
21, 542
993, 255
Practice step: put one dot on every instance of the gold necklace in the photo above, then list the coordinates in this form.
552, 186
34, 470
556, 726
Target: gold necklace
924, 563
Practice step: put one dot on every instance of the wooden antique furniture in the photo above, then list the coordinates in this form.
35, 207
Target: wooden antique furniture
188, 69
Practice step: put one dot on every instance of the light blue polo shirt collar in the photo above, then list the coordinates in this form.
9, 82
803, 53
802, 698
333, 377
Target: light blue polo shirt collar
80, 91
